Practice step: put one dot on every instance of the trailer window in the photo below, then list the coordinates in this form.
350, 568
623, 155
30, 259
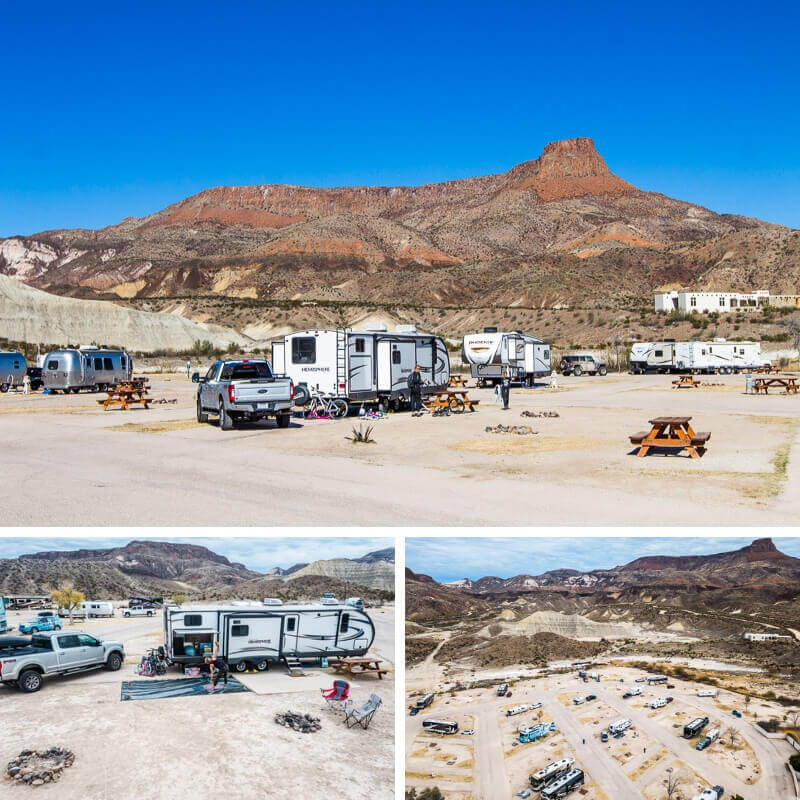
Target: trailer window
52, 365
291, 623
107, 364
344, 623
545, 354
360, 346
98, 363
659, 353
240, 630
304, 350
396, 357
192, 620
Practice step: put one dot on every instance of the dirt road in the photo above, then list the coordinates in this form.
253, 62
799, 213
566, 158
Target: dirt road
159, 467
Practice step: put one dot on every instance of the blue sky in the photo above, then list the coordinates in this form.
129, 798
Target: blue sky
447, 559
113, 110
255, 553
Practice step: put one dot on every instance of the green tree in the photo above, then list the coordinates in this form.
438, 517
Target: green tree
179, 598
68, 598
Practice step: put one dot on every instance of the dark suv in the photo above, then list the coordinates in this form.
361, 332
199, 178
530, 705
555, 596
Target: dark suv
580, 364
35, 374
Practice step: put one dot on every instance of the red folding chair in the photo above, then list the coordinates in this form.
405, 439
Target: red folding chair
335, 696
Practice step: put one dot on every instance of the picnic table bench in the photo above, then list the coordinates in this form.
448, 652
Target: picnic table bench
456, 380
126, 394
358, 665
454, 399
686, 382
788, 382
671, 432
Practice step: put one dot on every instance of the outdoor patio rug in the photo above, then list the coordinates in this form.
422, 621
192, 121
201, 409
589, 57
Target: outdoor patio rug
176, 687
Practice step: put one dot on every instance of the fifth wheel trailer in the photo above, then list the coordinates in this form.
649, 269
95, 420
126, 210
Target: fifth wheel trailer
491, 353
717, 356
256, 635
361, 366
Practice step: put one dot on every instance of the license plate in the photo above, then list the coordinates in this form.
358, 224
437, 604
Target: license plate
265, 406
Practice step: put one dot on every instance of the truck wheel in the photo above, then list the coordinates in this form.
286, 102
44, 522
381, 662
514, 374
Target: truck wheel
602, 371
577, 371
201, 416
126, 613
225, 420
262, 665
283, 420
30, 681
149, 613
114, 662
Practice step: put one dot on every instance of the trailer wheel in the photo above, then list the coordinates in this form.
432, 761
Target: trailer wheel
95, 387
240, 666
30, 681
76, 389
262, 665
225, 420
3, 387
397, 404
114, 662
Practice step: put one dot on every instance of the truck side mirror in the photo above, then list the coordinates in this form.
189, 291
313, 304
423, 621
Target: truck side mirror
195, 377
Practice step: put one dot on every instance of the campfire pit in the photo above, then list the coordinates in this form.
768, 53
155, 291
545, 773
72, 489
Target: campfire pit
538, 414
519, 430
304, 723
37, 767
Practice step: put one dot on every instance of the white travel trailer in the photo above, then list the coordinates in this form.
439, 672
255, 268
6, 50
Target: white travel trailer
512, 712
619, 725
492, 352
361, 366
652, 357
12, 369
73, 369
707, 692
659, 702
97, 608
717, 356
259, 635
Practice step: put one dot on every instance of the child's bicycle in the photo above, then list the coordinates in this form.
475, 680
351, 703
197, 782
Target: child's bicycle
323, 407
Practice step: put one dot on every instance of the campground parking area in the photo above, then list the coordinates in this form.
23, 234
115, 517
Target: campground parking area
204, 744
159, 466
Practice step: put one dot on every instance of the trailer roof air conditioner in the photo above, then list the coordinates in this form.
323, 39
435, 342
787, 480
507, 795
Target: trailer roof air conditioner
378, 327
490, 329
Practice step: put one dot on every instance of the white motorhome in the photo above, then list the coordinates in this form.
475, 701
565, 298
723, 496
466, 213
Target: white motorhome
361, 366
512, 712
564, 785
707, 692
259, 635
12, 369
492, 352
93, 368
553, 770
659, 702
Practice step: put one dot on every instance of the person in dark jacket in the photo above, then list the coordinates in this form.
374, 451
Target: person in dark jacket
415, 388
505, 388
218, 668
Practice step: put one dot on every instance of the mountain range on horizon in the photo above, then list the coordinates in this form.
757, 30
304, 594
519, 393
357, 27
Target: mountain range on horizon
558, 230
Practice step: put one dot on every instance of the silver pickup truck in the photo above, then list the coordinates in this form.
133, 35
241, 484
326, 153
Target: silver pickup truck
242, 391
56, 653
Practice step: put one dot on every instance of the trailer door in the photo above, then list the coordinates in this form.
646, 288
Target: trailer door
404, 359
359, 350
530, 360
291, 630
384, 366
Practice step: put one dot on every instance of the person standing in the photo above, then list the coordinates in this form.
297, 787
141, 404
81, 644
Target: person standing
505, 388
188, 368
26, 384
415, 388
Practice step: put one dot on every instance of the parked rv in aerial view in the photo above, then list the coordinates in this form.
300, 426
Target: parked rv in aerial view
691, 729
371, 365
257, 635
445, 727
92, 368
492, 353
717, 356
553, 770
562, 786
12, 369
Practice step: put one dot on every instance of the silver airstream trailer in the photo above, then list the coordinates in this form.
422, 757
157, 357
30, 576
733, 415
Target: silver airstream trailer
90, 368
12, 369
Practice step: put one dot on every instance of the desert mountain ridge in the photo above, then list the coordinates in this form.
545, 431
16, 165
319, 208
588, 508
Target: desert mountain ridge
557, 230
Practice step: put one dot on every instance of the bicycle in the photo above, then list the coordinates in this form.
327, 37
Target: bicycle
324, 407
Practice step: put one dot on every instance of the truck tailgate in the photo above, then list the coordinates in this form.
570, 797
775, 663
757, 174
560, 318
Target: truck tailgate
261, 391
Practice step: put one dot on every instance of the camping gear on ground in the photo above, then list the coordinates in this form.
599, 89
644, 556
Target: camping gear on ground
193, 672
363, 714
336, 696
175, 687
153, 663
188, 650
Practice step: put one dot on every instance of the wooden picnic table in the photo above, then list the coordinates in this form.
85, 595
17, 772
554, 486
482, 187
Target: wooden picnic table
454, 399
358, 665
672, 432
456, 380
686, 382
126, 394
788, 382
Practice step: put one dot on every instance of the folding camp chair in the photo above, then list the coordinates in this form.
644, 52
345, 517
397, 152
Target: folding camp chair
336, 696
363, 714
